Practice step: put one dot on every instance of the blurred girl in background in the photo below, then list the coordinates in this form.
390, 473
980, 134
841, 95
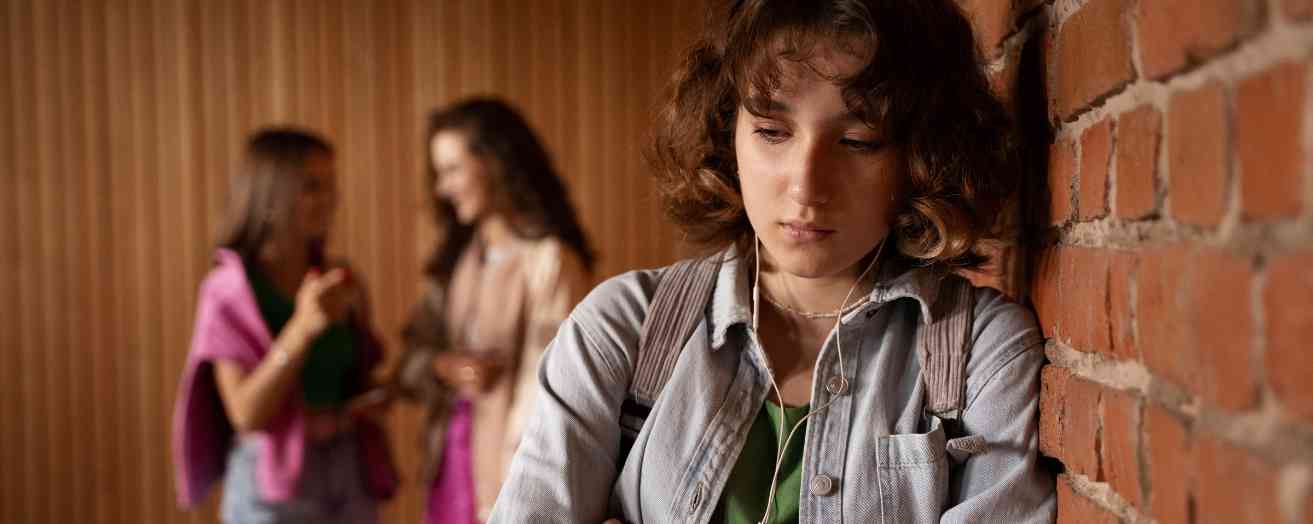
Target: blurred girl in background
512, 264
276, 397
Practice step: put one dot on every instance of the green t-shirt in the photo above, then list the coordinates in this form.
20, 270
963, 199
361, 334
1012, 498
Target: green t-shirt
744, 499
327, 375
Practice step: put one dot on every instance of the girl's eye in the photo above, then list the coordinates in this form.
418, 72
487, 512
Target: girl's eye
862, 146
770, 135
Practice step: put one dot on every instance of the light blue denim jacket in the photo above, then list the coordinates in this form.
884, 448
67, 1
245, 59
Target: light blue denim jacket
873, 456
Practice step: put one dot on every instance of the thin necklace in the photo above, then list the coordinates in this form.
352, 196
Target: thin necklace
813, 315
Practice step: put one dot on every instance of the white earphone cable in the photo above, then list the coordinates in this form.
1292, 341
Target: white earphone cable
838, 324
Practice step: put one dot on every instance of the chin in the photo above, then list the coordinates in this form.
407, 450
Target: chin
464, 217
807, 261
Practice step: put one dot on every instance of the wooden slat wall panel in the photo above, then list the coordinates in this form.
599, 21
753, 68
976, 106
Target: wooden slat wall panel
30, 368
45, 120
10, 260
10, 402
76, 373
124, 122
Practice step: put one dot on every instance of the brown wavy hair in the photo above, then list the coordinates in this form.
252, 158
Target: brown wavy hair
497, 132
922, 84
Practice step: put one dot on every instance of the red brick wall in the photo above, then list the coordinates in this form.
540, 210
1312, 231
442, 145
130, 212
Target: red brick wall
1173, 271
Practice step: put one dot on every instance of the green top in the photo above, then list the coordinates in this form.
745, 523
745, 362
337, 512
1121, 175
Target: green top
744, 499
326, 377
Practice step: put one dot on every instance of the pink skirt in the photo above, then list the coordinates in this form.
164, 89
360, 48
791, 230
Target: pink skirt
451, 498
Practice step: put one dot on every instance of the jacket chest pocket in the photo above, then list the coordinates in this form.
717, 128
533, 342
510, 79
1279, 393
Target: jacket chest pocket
912, 475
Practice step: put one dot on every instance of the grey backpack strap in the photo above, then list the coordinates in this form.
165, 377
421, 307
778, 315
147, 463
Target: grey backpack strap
943, 347
677, 307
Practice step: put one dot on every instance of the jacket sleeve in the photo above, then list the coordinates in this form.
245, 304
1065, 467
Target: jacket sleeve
557, 281
566, 463
1004, 483
423, 337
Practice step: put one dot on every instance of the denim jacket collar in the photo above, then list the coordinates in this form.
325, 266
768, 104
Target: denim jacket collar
731, 299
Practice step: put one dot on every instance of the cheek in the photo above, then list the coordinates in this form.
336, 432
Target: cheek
756, 182
475, 191
758, 197
456, 186
876, 195
755, 188
477, 188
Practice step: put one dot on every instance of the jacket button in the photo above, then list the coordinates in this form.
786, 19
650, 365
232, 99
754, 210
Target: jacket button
822, 485
837, 386
696, 501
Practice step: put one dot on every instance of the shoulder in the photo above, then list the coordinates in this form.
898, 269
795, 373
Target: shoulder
999, 317
549, 256
1005, 335
225, 283
613, 313
616, 309
554, 275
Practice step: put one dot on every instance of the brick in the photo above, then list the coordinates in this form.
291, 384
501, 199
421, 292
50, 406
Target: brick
1096, 153
1194, 321
1167, 446
1269, 142
1093, 55
1121, 444
1139, 134
991, 20
1223, 329
1288, 307
1052, 398
1080, 429
1121, 277
1299, 9
1062, 175
1084, 299
1233, 486
1197, 153
1045, 291
1074, 508
1059, 272
1174, 34
1164, 345
1060, 267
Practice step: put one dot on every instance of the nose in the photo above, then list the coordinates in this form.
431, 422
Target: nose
808, 174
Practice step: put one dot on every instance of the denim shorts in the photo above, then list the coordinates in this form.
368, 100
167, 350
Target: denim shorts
331, 488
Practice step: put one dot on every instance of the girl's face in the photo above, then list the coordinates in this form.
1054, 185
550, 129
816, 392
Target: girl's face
818, 183
463, 177
317, 202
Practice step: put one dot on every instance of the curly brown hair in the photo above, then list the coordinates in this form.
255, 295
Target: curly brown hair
922, 84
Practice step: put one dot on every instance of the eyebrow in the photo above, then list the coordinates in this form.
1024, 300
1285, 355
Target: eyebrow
763, 106
767, 107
